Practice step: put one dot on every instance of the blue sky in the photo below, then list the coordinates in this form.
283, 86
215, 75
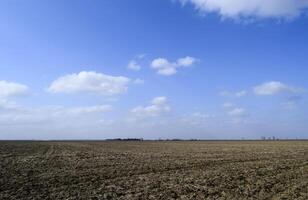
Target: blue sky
154, 69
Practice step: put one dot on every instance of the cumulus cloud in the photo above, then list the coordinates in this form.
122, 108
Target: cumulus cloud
11, 89
133, 65
90, 82
273, 87
164, 67
167, 68
258, 9
186, 61
158, 106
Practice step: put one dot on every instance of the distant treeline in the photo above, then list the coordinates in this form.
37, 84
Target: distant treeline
125, 139
141, 139
176, 139
271, 138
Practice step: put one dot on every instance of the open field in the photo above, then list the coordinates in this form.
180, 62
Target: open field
154, 170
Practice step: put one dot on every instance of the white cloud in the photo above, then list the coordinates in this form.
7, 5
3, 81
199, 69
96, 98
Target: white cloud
197, 118
158, 106
237, 115
227, 105
168, 71
292, 102
141, 56
237, 112
233, 94
138, 81
7, 105
60, 111
90, 82
241, 93
289, 105
11, 89
186, 61
235, 9
106, 122
166, 68
159, 100
272, 88
225, 93
16, 115
89, 109
133, 65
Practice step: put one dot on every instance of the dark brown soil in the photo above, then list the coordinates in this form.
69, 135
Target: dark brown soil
154, 170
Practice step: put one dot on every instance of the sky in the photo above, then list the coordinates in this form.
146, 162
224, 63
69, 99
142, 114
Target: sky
188, 69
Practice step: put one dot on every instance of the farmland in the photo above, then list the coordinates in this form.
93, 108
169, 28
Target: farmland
154, 170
